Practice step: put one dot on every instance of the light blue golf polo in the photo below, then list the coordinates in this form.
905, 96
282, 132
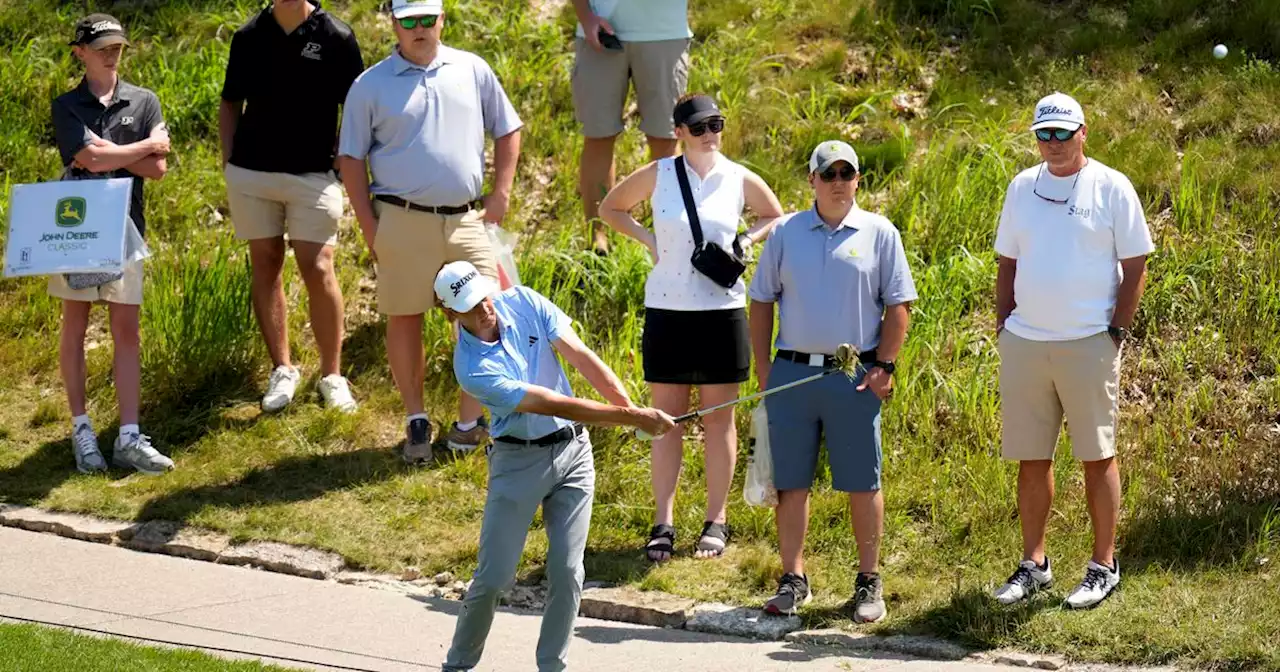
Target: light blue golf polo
831, 286
422, 128
499, 374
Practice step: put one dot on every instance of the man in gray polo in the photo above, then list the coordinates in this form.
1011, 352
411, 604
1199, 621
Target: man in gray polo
416, 122
506, 357
839, 274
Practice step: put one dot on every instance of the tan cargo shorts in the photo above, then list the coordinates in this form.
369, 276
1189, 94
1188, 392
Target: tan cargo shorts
267, 205
125, 291
1041, 381
660, 71
412, 247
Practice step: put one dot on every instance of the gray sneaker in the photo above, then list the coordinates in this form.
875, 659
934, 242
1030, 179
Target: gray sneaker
868, 598
793, 593
84, 443
137, 453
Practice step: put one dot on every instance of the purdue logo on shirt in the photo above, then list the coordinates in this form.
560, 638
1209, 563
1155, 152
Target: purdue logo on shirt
311, 51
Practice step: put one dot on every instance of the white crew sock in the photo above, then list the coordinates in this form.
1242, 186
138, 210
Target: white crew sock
79, 420
416, 416
467, 426
129, 430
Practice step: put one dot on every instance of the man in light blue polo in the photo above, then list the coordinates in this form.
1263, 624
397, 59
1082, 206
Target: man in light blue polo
417, 122
506, 358
838, 274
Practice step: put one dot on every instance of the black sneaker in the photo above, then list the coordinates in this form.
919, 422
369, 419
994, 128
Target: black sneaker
868, 598
417, 442
793, 593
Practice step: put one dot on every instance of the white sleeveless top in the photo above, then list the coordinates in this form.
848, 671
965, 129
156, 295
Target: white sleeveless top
674, 284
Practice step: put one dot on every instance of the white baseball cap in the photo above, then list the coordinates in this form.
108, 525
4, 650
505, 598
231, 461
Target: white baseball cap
402, 9
828, 152
460, 286
1058, 110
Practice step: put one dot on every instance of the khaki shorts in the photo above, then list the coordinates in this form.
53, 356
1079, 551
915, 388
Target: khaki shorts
126, 291
263, 205
1042, 380
660, 71
412, 247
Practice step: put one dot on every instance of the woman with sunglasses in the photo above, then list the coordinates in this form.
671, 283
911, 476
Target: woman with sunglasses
695, 332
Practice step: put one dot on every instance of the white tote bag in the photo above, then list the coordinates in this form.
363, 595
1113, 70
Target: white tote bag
758, 489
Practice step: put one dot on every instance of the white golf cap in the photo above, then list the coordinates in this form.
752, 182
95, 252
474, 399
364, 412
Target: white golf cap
402, 9
828, 152
460, 286
1058, 110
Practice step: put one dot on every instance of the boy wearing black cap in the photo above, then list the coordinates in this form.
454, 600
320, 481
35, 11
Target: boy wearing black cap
108, 128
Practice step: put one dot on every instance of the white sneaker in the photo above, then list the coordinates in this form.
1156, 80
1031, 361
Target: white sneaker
336, 393
280, 388
1026, 581
1098, 584
135, 451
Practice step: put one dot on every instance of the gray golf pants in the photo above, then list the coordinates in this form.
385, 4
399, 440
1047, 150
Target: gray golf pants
562, 479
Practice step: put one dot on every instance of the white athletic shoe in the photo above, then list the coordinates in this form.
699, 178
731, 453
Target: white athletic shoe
280, 388
336, 393
135, 451
1098, 584
1025, 582
85, 445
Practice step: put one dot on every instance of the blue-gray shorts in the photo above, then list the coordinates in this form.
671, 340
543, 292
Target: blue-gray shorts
832, 408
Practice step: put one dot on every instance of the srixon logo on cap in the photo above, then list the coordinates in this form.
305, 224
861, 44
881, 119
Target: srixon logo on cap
458, 285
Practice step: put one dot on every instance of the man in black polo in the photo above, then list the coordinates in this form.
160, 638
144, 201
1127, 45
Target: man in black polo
289, 70
108, 128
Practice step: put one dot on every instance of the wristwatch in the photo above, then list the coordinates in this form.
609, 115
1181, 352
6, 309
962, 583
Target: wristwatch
887, 366
1119, 334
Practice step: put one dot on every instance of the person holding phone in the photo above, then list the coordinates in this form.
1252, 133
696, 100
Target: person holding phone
621, 43
695, 330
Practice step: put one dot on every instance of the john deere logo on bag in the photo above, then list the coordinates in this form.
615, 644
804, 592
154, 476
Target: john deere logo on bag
70, 211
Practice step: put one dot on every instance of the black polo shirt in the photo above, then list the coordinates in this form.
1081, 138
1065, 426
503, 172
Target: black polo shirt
131, 115
293, 84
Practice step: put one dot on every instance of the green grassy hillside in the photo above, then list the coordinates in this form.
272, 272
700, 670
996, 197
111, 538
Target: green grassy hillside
936, 96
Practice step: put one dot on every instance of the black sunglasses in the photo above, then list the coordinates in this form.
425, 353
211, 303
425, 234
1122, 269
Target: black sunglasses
714, 124
426, 21
1035, 186
846, 174
1059, 134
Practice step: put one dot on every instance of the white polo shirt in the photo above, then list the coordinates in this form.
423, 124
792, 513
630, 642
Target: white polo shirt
1069, 254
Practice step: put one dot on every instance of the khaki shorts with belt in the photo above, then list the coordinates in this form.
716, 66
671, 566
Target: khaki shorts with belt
1040, 381
264, 205
125, 291
412, 246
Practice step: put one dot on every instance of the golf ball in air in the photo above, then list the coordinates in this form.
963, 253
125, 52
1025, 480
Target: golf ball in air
1220, 51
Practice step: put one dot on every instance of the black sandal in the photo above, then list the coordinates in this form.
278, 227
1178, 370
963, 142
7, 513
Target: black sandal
662, 539
717, 531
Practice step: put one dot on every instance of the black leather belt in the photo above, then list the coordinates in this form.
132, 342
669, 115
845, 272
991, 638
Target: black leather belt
828, 361
433, 209
559, 436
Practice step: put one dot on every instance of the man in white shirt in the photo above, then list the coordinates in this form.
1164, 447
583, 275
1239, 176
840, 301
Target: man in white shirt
1072, 244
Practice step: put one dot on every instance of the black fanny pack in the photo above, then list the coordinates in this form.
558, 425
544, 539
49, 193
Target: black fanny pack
724, 268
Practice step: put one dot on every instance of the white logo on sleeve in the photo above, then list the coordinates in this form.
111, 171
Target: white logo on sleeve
126, 121
311, 51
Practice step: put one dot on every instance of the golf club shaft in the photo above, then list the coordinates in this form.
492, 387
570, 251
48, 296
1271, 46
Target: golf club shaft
758, 395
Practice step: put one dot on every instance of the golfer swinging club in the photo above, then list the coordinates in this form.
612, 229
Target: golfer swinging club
541, 454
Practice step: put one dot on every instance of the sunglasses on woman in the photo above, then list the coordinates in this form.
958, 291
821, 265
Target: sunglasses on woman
846, 174
1059, 134
714, 124
426, 21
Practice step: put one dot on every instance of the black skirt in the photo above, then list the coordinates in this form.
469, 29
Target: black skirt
696, 347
